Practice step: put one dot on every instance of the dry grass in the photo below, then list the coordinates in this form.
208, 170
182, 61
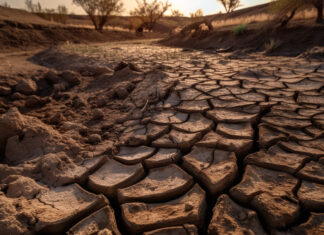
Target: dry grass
306, 14
242, 20
272, 45
89, 26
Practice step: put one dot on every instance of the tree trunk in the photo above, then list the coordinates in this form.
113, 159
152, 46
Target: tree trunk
319, 6
94, 21
103, 21
285, 21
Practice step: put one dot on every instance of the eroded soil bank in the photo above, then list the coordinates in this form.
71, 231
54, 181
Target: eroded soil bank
298, 38
137, 138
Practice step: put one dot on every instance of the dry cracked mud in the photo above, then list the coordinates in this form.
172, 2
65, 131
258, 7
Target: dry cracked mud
201, 143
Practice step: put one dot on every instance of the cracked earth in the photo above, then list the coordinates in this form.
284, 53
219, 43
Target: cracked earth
212, 145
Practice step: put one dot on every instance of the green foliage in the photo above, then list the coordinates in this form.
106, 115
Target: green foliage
239, 29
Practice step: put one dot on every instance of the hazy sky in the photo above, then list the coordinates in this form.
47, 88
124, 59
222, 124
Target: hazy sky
185, 6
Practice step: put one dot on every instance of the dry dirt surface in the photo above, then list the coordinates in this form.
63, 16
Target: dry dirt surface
23, 31
136, 138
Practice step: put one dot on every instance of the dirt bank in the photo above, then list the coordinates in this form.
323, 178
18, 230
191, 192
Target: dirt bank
14, 35
20, 30
291, 41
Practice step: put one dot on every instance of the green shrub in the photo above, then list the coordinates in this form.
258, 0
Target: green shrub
240, 29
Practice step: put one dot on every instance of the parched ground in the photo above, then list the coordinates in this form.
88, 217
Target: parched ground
169, 141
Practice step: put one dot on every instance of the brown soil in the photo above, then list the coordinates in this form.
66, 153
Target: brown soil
137, 138
20, 30
166, 140
297, 38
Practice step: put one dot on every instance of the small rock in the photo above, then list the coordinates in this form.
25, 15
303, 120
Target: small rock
101, 102
188, 207
11, 124
22, 186
121, 92
4, 90
97, 114
121, 66
61, 86
68, 126
97, 71
78, 102
110, 94
130, 86
19, 103
56, 119
72, 78
18, 96
33, 101
26, 87
94, 139
52, 77
134, 67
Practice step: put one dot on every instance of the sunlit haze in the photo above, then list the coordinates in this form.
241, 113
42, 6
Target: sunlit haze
185, 6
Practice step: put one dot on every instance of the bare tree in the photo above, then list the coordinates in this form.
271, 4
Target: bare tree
319, 4
230, 5
33, 7
100, 10
59, 15
5, 4
150, 12
176, 13
62, 14
61, 9
197, 14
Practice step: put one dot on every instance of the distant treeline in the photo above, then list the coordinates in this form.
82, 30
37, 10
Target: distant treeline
60, 14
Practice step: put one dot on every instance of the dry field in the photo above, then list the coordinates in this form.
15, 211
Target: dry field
168, 141
100, 135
